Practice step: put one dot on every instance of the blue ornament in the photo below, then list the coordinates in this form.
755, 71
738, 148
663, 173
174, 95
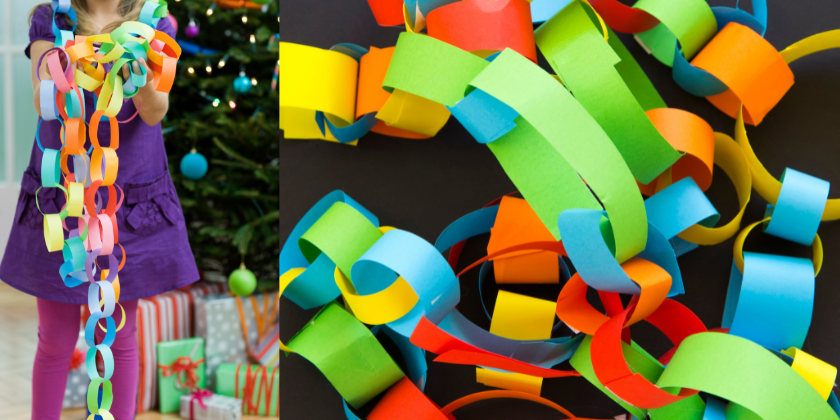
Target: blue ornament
242, 84
194, 165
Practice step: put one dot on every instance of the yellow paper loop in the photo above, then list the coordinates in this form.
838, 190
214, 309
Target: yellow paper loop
819, 374
738, 249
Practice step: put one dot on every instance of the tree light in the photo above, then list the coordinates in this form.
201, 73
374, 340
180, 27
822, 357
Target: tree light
253, 39
222, 63
253, 81
190, 70
209, 69
232, 105
210, 9
244, 18
216, 102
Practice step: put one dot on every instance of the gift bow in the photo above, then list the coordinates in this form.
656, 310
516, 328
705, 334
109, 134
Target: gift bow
77, 359
184, 367
199, 395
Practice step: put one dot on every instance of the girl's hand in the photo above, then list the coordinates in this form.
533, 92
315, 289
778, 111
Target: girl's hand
136, 68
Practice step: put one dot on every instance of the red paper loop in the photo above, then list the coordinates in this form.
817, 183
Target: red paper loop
623, 18
476, 25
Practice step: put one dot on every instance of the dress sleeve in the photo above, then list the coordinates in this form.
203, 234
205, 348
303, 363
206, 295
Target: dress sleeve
165, 25
40, 28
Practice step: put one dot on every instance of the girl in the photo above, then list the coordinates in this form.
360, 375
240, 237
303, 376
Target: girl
150, 222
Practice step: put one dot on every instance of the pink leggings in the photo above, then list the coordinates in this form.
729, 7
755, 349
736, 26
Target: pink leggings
58, 331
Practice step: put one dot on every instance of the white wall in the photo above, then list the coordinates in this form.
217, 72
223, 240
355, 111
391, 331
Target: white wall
17, 114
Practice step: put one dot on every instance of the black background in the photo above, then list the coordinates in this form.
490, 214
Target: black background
423, 185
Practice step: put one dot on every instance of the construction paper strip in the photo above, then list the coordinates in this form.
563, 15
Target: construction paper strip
508, 380
342, 233
346, 353
799, 208
427, 272
407, 115
690, 408
772, 302
755, 73
539, 171
819, 374
740, 371
461, 357
387, 12
691, 135
515, 81
690, 22
413, 356
467, 226
731, 159
417, 10
679, 207
543, 10
699, 82
565, 40
814, 43
315, 80
521, 317
431, 69
474, 25
624, 18
612, 370
378, 308
634, 77
404, 401
316, 286
457, 333
738, 248
591, 255
348, 133
485, 117
516, 223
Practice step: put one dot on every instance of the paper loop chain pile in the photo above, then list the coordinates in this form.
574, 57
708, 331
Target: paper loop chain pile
477, 62
93, 63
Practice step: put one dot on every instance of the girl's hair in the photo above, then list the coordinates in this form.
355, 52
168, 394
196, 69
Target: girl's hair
128, 9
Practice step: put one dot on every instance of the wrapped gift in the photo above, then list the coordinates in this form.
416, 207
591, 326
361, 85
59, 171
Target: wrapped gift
180, 371
224, 322
205, 405
165, 317
77, 380
267, 350
257, 386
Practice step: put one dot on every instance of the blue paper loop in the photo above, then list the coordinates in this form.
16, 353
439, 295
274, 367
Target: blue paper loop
678, 207
484, 116
349, 133
596, 264
797, 213
772, 302
426, 271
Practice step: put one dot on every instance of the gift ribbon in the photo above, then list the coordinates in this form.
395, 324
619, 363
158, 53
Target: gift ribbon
198, 396
184, 369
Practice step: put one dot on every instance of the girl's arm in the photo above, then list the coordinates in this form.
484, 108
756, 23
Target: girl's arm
152, 104
35, 51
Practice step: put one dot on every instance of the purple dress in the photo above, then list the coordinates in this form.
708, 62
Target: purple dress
151, 222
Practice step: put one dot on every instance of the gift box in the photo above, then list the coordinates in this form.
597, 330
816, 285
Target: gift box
267, 350
75, 393
205, 405
165, 317
224, 322
180, 371
258, 386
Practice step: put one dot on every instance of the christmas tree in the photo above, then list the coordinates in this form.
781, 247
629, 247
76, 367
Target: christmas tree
222, 120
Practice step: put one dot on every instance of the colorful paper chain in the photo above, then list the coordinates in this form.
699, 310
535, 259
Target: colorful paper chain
478, 63
62, 99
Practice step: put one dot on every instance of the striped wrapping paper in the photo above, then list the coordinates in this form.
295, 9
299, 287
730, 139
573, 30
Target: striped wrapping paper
267, 350
165, 317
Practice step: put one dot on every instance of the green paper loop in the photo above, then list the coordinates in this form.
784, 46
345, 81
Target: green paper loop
691, 22
346, 352
744, 373
586, 64
577, 137
342, 233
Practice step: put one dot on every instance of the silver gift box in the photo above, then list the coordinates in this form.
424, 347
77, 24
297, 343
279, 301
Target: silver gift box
219, 407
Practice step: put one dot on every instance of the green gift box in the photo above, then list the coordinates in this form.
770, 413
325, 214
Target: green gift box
180, 370
258, 386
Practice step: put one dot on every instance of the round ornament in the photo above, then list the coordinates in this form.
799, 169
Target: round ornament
192, 29
242, 281
242, 84
194, 165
